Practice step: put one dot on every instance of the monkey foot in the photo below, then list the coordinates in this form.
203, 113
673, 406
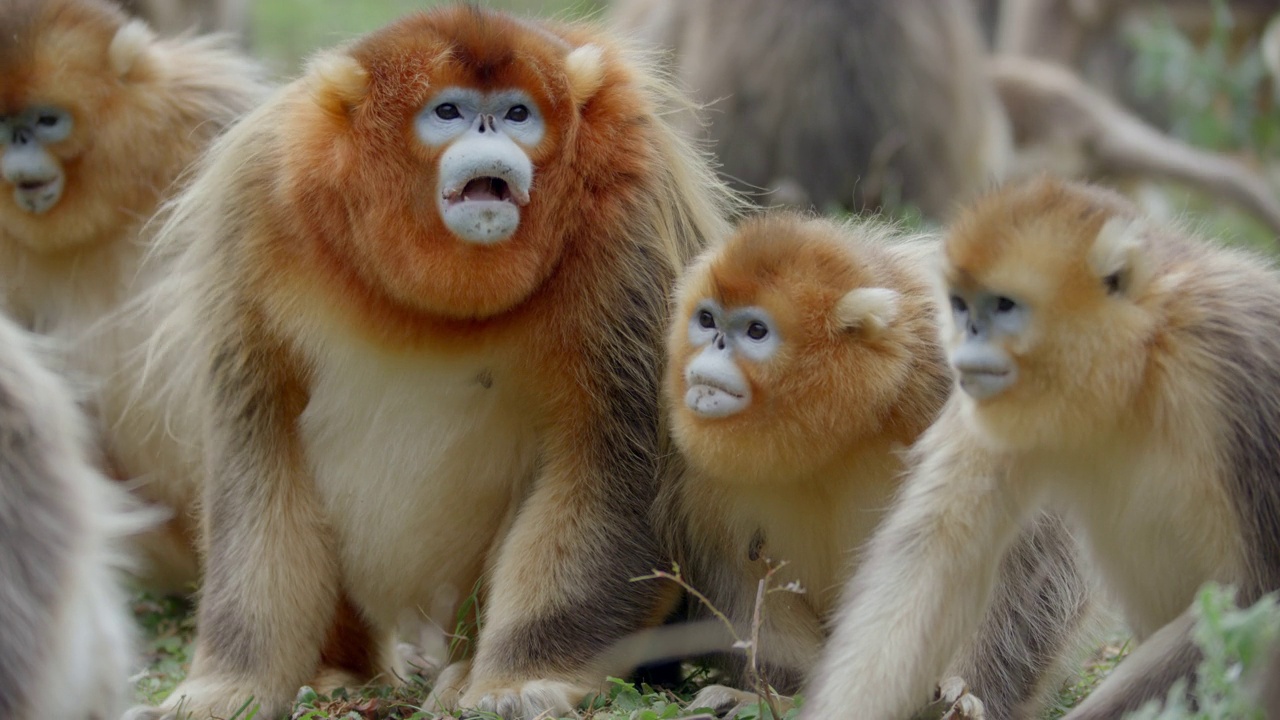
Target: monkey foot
952, 701
525, 701
727, 702
959, 704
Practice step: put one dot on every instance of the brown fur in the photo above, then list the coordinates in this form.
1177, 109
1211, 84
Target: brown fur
143, 109
499, 402
835, 102
806, 472
1144, 407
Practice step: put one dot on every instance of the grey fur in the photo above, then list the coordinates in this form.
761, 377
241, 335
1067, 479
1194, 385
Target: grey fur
38, 528
65, 647
853, 102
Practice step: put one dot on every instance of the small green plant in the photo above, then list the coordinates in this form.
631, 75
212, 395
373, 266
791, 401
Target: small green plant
1235, 643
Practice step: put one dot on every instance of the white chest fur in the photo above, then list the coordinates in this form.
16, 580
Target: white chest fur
419, 462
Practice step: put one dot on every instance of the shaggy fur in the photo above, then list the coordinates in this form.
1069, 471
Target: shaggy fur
1144, 409
806, 473
142, 110
396, 415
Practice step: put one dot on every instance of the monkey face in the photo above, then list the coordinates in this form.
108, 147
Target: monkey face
450, 158
25, 160
484, 175
84, 151
1044, 323
724, 340
785, 352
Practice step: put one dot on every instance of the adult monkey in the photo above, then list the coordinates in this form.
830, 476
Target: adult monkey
851, 103
866, 102
98, 120
424, 288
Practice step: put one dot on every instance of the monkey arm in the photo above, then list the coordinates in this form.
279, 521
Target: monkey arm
925, 583
271, 581
1148, 673
561, 590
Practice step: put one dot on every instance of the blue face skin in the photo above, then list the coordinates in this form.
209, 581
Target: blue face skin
455, 111
36, 175
982, 320
716, 384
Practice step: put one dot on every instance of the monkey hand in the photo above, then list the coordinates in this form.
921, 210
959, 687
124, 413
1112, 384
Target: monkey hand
526, 700
209, 696
952, 701
727, 702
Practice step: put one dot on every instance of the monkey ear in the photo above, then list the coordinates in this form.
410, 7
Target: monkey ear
869, 309
585, 68
1116, 255
129, 48
338, 82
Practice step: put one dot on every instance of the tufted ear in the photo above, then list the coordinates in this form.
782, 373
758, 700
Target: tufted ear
1116, 256
130, 47
338, 82
585, 68
869, 309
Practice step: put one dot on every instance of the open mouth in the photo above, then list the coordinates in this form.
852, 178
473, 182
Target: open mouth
33, 185
704, 386
486, 189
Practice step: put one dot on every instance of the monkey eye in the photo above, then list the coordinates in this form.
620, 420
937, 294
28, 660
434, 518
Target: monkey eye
518, 113
448, 111
47, 120
706, 320
1112, 283
958, 304
757, 330
1004, 304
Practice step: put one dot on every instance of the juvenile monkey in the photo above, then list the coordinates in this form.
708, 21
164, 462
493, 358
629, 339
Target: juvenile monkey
423, 291
804, 359
66, 648
97, 119
1124, 373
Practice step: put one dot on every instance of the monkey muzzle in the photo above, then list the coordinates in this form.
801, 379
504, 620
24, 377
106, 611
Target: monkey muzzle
37, 178
485, 179
984, 371
716, 387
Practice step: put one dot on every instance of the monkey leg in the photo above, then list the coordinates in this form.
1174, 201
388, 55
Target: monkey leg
1039, 610
562, 593
271, 587
1148, 673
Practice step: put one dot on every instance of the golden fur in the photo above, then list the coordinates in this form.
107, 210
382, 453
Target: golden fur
143, 109
806, 473
1144, 407
397, 415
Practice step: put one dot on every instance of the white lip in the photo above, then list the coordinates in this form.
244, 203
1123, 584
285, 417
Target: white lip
983, 385
455, 194
711, 400
38, 197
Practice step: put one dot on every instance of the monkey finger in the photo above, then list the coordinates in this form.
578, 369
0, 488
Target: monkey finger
954, 693
533, 700
727, 702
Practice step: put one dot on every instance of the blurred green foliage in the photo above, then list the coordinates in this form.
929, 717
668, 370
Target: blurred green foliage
286, 32
1218, 95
